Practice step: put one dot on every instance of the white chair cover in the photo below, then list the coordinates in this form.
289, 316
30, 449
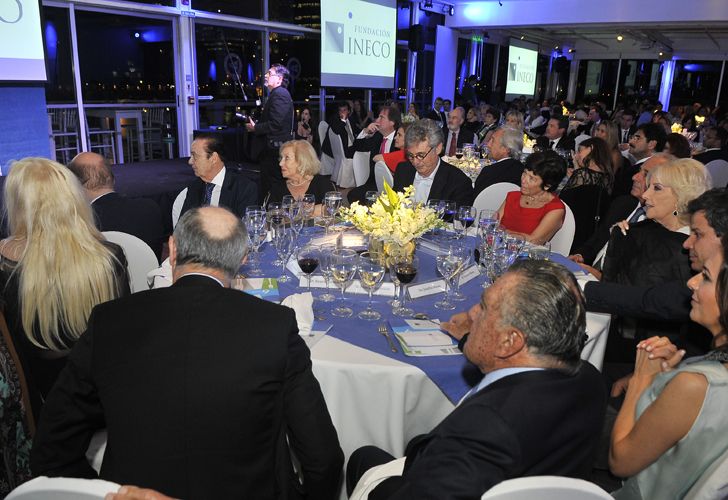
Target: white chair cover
343, 174
492, 197
96, 449
718, 172
361, 167
713, 484
546, 488
63, 488
177, 206
564, 237
327, 162
140, 258
381, 174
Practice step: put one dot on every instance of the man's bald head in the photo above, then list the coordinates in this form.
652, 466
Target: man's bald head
209, 239
93, 172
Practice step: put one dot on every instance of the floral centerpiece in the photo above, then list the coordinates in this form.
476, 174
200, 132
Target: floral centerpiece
393, 222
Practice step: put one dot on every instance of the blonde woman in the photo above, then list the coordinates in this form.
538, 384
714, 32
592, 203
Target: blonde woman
54, 268
300, 169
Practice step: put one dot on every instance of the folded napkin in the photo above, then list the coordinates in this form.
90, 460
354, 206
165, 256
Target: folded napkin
161, 276
302, 304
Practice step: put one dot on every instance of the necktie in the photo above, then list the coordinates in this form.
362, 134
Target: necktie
208, 193
383, 147
349, 132
637, 214
551, 144
624, 136
453, 145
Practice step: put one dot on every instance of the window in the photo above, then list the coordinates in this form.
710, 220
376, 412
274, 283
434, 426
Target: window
59, 61
246, 8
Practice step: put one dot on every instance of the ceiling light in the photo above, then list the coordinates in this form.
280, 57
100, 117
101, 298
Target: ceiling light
522, 37
661, 54
620, 38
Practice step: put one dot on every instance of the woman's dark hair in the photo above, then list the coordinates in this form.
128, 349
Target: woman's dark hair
679, 145
548, 165
721, 291
599, 154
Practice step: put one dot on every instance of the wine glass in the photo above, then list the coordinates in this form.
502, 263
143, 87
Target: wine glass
449, 209
298, 216
371, 272
371, 197
455, 293
392, 267
332, 203
449, 262
284, 240
464, 219
438, 207
287, 201
326, 272
278, 219
343, 268
406, 268
458, 153
308, 260
255, 223
309, 205
487, 219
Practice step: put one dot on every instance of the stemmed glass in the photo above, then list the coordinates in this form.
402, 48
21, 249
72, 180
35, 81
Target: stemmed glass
343, 268
438, 207
406, 268
449, 263
392, 267
326, 272
371, 197
284, 240
449, 209
308, 260
297, 215
255, 223
332, 203
487, 220
371, 272
455, 293
464, 219
309, 204
278, 219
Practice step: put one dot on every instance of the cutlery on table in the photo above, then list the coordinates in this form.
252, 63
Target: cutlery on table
383, 331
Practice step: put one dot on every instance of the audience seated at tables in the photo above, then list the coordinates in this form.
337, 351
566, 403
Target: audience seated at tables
202, 389
342, 126
677, 145
534, 211
529, 355
593, 166
504, 145
300, 168
491, 119
623, 171
140, 217
431, 177
455, 134
436, 113
645, 142
216, 185
412, 114
715, 140
396, 156
555, 136
627, 126
672, 425
514, 120
54, 268
472, 121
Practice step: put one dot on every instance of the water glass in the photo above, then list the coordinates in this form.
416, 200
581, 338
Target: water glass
255, 223
487, 220
343, 268
332, 203
540, 252
284, 241
309, 205
326, 272
371, 273
464, 219
449, 263
278, 220
371, 197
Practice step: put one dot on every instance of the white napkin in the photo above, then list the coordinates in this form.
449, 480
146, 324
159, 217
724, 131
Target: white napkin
302, 304
160, 277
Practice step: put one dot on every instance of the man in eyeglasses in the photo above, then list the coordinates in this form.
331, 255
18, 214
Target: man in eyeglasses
432, 178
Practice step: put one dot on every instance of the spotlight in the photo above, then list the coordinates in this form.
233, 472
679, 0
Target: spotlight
136, 34
522, 37
571, 51
620, 38
661, 54
556, 47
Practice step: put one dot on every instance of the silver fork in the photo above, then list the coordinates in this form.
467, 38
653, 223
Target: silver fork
383, 331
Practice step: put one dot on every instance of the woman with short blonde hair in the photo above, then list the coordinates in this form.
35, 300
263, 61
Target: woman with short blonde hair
687, 178
300, 168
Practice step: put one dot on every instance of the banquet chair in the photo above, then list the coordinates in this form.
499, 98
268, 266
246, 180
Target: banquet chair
492, 197
343, 173
361, 167
546, 488
63, 488
564, 237
327, 162
713, 483
179, 201
718, 172
381, 174
140, 258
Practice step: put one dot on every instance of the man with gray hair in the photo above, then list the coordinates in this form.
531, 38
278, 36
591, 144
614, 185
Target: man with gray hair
201, 388
432, 178
455, 134
505, 145
538, 409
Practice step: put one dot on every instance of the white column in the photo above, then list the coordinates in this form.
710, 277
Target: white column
186, 81
668, 72
573, 76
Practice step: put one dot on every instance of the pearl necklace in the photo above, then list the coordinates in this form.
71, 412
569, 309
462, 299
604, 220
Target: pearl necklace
531, 200
300, 183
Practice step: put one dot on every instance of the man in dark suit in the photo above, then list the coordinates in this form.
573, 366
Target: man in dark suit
216, 185
140, 217
455, 134
432, 178
505, 145
556, 135
538, 409
436, 113
344, 128
201, 388
377, 138
715, 140
275, 126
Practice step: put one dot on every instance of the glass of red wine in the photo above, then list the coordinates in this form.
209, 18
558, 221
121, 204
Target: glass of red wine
406, 269
308, 260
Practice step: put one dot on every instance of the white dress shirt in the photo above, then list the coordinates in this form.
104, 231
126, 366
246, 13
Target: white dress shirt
217, 181
423, 185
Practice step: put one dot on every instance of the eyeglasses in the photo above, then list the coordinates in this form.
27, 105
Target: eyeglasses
419, 156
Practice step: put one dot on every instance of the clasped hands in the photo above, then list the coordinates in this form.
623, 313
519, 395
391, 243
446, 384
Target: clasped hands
654, 355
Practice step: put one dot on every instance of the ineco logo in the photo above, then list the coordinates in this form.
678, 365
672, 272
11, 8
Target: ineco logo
334, 37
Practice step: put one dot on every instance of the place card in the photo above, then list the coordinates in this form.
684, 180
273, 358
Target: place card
425, 289
385, 289
422, 324
469, 274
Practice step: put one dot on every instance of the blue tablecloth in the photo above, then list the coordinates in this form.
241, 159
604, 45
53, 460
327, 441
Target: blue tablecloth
454, 375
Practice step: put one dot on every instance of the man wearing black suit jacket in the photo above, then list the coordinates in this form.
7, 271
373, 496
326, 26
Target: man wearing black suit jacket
140, 217
505, 145
216, 185
714, 141
556, 137
538, 409
432, 178
437, 114
344, 128
377, 138
455, 134
202, 389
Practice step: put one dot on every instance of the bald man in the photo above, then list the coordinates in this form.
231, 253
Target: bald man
140, 217
202, 389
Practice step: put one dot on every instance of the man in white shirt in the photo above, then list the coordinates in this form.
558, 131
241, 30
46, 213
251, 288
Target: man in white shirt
555, 133
626, 126
456, 134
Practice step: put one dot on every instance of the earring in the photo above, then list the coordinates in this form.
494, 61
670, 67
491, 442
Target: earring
675, 212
